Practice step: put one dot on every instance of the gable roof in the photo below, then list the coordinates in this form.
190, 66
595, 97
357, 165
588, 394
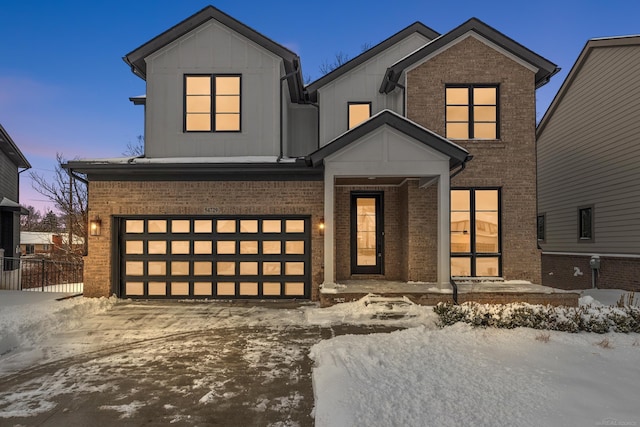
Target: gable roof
416, 27
11, 150
136, 58
582, 59
456, 153
546, 68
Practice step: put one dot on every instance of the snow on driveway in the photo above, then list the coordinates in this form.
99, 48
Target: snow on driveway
184, 363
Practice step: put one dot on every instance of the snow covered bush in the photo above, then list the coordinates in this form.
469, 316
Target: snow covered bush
598, 319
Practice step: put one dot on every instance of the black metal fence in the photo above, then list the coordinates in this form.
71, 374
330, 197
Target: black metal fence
39, 274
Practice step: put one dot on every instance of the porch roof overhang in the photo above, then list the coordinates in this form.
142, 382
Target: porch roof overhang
456, 154
11, 206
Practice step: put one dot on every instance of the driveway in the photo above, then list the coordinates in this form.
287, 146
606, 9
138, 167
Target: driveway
178, 363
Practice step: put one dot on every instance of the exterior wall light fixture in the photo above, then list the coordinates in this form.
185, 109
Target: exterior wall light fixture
321, 226
95, 226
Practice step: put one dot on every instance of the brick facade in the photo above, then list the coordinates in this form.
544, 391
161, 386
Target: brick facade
113, 198
508, 163
574, 272
410, 227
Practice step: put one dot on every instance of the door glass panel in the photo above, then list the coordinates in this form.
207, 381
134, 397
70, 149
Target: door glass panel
248, 288
226, 226
487, 267
202, 268
271, 288
269, 247
249, 247
202, 288
157, 247
460, 266
134, 288
134, 268
180, 226
180, 268
248, 226
294, 247
294, 288
157, 225
294, 268
157, 268
202, 226
180, 247
203, 247
295, 226
134, 226
157, 288
134, 247
226, 247
366, 231
179, 288
460, 200
271, 226
226, 288
226, 268
248, 268
271, 268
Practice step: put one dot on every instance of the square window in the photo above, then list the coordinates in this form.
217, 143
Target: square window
472, 111
212, 103
358, 112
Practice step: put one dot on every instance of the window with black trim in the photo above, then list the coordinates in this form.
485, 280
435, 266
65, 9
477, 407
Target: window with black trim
585, 224
540, 223
212, 103
472, 112
358, 112
476, 232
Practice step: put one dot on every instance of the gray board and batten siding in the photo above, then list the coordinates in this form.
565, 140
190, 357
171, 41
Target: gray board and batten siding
589, 151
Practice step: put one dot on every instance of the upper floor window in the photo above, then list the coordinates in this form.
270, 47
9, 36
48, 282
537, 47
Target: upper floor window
472, 111
358, 113
585, 224
212, 103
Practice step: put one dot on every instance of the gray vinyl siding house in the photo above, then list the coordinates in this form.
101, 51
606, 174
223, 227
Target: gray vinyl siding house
253, 185
589, 171
11, 161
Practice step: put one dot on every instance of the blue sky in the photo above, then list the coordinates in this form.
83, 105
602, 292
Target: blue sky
64, 87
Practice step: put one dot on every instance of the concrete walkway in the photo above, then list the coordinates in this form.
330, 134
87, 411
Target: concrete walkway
183, 364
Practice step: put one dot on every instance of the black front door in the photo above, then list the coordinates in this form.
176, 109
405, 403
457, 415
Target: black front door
367, 232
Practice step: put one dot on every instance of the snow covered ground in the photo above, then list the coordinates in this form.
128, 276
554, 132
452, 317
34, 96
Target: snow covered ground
420, 376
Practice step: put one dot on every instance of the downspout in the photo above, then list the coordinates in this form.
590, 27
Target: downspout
454, 285
283, 78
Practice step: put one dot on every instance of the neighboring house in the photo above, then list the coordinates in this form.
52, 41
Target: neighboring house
45, 243
11, 161
255, 186
589, 171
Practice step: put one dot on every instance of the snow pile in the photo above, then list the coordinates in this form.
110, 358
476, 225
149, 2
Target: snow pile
28, 318
467, 376
373, 310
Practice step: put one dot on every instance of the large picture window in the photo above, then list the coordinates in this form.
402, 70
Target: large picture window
475, 232
472, 112
212, 103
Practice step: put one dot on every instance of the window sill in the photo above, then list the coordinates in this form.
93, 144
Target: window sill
485, 143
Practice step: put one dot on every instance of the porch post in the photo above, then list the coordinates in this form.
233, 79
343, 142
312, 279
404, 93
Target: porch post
444, 235
329, 230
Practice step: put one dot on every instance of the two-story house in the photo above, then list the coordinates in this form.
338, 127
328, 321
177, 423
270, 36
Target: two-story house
588, 171
414, 161
11, 161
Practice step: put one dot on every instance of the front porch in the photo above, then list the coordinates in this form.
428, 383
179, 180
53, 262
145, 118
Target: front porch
477, 290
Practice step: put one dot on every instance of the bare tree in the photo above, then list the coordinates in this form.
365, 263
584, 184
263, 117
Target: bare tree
339, 59
135, 149
69, 198
32, 220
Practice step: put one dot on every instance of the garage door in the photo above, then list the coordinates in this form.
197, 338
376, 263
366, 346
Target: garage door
215, 257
